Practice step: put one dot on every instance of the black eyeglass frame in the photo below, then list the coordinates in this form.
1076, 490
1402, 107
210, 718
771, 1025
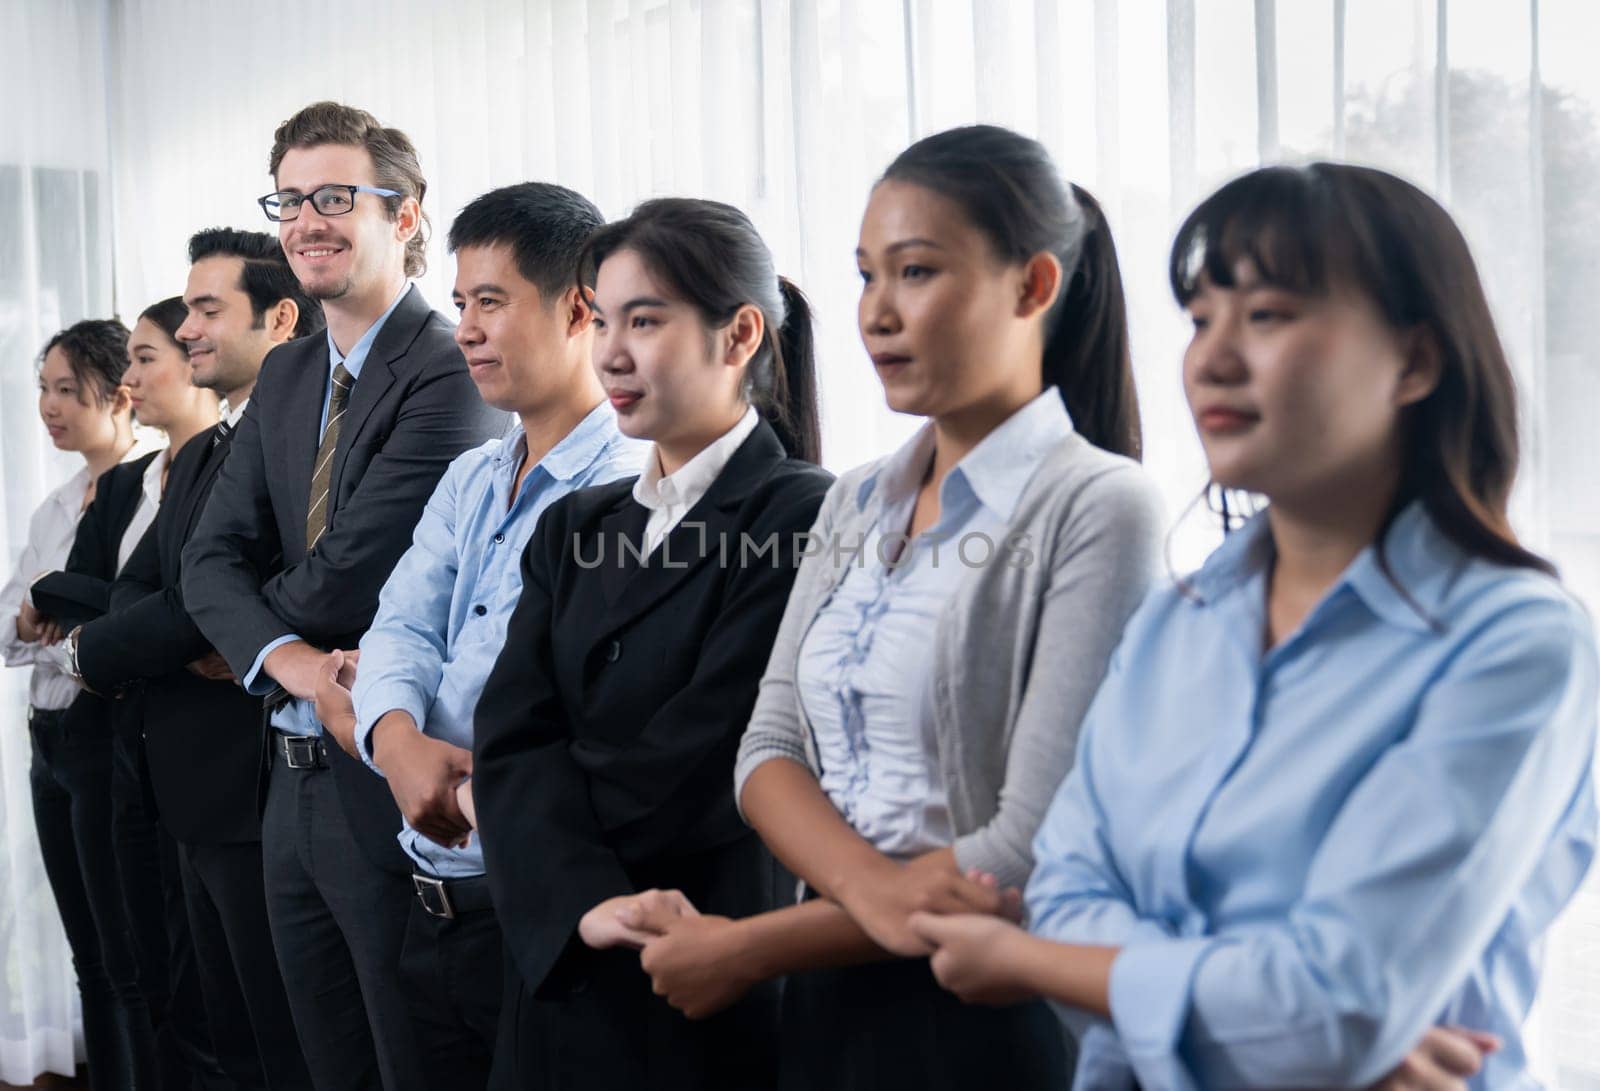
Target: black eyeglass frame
302, 198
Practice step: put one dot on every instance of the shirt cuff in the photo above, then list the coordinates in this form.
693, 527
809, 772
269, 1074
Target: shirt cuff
386, 698
1151, 986
254, 684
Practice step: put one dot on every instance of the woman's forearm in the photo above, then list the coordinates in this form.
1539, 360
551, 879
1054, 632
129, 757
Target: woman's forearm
813, 935
1074, 975
804, 830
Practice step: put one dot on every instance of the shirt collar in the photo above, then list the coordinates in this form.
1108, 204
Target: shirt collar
357, 357
234, 414
996, 470
1406, 587
693, 479
576, 450
152, 475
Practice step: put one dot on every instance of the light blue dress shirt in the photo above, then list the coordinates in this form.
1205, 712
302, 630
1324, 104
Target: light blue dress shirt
1311, 855
442, 615
297, 717
865, 670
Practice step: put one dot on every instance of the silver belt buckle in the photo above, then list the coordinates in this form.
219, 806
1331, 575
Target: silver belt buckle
303, 752
432, 895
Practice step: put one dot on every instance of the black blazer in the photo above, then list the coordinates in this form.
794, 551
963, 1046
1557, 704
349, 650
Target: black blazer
202, 738
82, 590
606, 734
413, 409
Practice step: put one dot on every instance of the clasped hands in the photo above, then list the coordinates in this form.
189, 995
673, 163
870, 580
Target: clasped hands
429, 778
701, 963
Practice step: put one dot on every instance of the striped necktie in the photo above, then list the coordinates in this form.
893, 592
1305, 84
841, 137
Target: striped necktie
322, 477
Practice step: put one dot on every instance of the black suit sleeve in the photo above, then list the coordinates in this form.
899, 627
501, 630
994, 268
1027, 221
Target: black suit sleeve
543, 847
334, 591
148, 632
235, 540
654, 788
82, 590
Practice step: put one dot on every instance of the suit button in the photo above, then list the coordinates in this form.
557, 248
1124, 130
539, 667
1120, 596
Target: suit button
499, 539
480, 609
613, 651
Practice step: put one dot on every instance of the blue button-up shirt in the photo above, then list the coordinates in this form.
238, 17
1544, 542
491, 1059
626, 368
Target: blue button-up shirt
442, 615
1309, 856
865, 670
299, 717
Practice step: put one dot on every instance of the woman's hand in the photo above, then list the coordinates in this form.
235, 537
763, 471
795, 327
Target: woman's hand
699, 964
883, 900
633, 920
34, 628
979, 958
1442, 1061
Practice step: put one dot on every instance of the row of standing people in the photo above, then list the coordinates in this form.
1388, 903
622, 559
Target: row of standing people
1291, 821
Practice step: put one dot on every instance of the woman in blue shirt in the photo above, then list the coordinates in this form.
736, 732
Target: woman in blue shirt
1336, 784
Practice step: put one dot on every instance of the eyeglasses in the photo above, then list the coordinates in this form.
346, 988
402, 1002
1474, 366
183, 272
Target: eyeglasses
329, 200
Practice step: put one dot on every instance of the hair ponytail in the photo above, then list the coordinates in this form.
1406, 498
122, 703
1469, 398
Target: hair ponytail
1086, 353
788, 397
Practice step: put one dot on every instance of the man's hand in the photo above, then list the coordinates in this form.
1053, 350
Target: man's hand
423, 775
336, 709
297, 667
34, 628
468, 805
697, 963
212, 666
632, 920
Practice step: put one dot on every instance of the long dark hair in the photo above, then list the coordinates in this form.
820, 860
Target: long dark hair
1009, 188
1309, 229
710, 255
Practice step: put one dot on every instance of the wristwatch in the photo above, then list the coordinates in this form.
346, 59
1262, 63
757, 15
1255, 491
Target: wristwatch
71, 645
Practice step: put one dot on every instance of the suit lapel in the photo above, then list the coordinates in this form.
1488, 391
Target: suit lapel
708, 532
624, 523
301, 427
377, 376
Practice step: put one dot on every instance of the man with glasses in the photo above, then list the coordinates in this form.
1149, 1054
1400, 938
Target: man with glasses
342, 443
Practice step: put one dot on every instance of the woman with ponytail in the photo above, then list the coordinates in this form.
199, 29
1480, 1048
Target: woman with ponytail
946, 631
1337, 784
606, 734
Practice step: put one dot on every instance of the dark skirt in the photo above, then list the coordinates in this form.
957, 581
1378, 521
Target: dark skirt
889, 1025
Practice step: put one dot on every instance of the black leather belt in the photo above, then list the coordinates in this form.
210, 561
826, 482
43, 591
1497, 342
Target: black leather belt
46, 717
302, 751
448, 897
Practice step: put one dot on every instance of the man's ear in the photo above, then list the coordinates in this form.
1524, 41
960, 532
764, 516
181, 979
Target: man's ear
575, 304
1424, 367
281, 321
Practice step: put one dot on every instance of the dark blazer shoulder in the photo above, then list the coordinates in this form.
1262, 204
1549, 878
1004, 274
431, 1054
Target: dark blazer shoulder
124, 477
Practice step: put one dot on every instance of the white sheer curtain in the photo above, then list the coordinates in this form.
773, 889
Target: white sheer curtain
55, 268
790, 108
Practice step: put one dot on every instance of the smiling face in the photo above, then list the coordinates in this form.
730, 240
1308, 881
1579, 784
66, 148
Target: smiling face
335, 256
224, 339
514, 343
669, 378
158, 378
72, 415
1295, 395
941, 315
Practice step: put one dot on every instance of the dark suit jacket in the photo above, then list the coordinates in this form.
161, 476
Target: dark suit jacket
606, 734
82, 590
413, 409
202, 738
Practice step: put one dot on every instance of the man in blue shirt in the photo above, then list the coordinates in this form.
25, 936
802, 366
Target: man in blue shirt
525, 331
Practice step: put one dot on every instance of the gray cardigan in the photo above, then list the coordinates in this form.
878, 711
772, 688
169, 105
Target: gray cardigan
1020, 649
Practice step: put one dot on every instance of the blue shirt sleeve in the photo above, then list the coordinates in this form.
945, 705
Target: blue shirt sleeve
1418, 870
254, 683
403, 653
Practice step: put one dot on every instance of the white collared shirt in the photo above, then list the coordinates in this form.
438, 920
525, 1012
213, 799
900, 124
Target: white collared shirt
232, 415
51, 531
670, 497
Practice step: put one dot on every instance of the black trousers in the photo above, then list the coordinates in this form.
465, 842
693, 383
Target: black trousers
889, 1025
152, 898
71, 782
338, 925
252, 1030
452, 971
